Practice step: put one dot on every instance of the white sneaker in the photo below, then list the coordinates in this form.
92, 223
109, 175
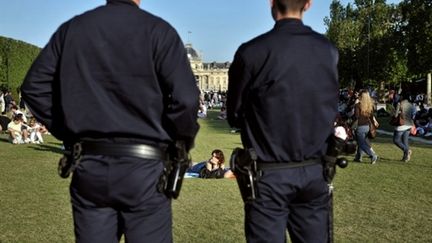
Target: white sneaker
374, 159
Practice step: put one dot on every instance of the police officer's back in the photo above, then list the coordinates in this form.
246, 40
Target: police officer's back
283, 94
116, 79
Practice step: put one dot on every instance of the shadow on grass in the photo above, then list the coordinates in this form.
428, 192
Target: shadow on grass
384, 160
50, 147
392, 162
388, 139
401, 163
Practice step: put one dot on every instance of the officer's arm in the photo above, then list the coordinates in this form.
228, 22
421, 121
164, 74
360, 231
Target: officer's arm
40, 89
178, 84
238, 78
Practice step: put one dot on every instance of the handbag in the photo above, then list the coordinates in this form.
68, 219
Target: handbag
413, 130
372, 130
397, 120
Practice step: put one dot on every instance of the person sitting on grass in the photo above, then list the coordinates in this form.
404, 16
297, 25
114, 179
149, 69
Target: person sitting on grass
425, 129
421, 116
213, 167
18, 132
202, 112
36, 129
222, 114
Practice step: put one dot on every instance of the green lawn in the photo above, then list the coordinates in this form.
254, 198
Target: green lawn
390, 201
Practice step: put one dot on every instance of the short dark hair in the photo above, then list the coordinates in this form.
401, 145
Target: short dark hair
18, 117
292, 5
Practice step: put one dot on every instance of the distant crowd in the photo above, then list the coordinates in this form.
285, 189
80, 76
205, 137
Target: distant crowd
347, 100
422, 116
21, 127
18, 123
210, 100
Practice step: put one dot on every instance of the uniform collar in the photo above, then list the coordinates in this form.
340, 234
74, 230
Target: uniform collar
288, 22
129, 2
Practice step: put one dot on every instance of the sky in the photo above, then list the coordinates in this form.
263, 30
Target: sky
214, 28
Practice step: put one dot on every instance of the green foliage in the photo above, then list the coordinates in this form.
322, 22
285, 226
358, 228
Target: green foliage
386, 202
417, 31
16, 58
380, 42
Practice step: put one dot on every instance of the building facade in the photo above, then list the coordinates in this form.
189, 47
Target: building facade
210, 76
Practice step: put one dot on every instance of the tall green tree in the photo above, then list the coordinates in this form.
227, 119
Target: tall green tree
386, 52
417, 31
342, 30
364, 33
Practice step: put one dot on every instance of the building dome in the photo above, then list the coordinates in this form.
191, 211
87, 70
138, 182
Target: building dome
192, 53
209, 76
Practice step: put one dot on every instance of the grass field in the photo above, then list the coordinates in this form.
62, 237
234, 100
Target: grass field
390, 201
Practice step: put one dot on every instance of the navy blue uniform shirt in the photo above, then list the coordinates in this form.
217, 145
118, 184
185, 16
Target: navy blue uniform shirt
283, 92
114, 73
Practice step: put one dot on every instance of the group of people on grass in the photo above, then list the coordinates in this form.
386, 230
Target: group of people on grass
14, 121
357, 117
21, 129
358, 113
423, 121
209, 100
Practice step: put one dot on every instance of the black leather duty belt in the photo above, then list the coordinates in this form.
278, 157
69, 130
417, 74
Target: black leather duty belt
142, 151
287, 165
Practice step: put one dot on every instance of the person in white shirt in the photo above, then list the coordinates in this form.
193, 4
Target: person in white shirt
35, 131
18, 133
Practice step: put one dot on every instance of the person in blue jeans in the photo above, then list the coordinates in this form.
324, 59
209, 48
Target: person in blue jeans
364, 115
401, 132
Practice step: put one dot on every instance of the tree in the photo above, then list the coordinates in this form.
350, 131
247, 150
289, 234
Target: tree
365, 34
416, 28
343, 31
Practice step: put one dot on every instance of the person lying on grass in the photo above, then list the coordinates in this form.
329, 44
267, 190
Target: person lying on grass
213, 167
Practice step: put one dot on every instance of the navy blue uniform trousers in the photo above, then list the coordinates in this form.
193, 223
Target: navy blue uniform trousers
293, 199
112, 196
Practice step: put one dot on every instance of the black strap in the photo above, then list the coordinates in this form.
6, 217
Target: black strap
142, 151
286, 165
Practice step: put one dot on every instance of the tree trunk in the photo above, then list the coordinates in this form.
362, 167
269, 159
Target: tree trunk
382, 92
428, 90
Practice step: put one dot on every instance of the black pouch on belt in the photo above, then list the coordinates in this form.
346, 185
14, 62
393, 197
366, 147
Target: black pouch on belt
70, 160
243, 164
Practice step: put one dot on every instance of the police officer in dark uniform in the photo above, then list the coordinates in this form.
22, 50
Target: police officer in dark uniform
117, 80
283, 94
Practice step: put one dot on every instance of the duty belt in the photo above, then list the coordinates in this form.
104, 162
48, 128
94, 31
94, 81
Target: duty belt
286, 165
142, 151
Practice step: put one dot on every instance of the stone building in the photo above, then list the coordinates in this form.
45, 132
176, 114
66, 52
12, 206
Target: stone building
210, 76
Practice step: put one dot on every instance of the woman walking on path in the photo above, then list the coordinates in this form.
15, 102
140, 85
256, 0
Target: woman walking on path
364, 115
401, 133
